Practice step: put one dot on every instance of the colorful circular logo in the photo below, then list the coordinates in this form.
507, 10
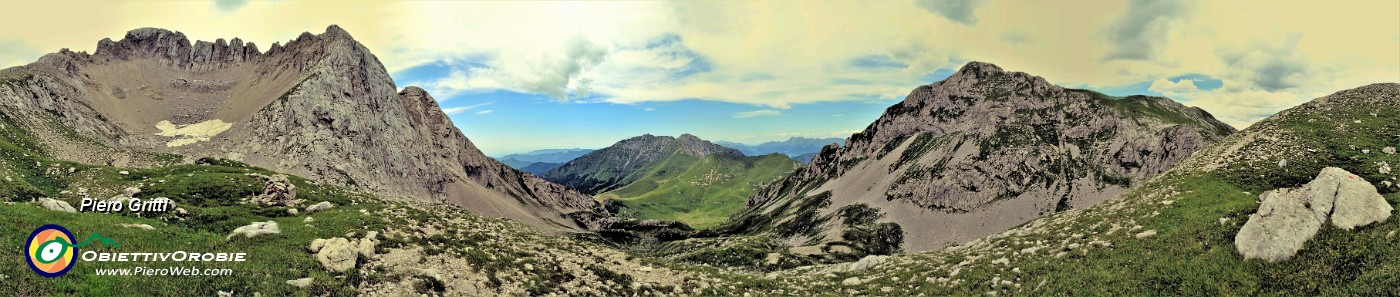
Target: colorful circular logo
50, 251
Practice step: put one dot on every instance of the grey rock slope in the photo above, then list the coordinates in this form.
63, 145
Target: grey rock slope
612, 167
977, 153
320, 106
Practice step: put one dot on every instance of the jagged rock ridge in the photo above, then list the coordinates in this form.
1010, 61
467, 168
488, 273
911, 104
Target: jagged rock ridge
985, 150
320, 106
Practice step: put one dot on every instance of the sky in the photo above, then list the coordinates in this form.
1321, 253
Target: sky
520, 76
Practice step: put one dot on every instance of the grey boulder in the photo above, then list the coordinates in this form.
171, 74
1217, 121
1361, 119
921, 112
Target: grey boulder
1289, 217
56, 205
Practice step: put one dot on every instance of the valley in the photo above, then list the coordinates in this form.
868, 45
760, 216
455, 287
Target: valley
336, 181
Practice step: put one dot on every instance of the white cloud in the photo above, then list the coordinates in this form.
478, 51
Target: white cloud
757, 113
1241, 107
962, 11
1164, 86
484, 112
774, 54
460, 109
630, 53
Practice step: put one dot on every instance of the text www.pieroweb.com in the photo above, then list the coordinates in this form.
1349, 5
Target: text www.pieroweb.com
164, 271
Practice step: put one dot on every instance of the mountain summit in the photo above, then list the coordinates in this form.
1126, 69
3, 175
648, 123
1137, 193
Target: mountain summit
977, 153
612, 167
320, 106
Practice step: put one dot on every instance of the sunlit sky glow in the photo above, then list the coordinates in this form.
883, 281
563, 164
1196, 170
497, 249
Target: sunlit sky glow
518, 76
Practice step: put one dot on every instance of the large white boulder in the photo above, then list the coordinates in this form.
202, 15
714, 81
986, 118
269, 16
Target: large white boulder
1285, 221
1358, 204
1289, 217
56, 205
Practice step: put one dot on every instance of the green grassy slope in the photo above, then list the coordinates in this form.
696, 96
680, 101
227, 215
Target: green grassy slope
208, 192
513, 259
701, 192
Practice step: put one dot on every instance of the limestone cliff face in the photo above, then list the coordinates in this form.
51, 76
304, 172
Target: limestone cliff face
612, 167
986, 149
321, 106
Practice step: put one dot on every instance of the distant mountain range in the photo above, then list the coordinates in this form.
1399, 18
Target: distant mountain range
794, 147
685, 179
540, 161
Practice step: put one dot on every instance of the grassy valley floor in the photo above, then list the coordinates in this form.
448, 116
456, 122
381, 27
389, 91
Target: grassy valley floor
701, 192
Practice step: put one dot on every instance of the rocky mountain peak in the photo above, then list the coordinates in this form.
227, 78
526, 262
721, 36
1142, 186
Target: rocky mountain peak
414, 91
980, 77
334, 31
979, 69
173, 48
320, 106
699, 147
986, 142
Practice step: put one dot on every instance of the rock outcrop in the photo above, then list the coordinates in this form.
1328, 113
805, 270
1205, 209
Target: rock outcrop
340, 254
336, 254
1289, 217
277, 191
255, 229
56, 205
324, 205
320, 106
125, 195
985, 150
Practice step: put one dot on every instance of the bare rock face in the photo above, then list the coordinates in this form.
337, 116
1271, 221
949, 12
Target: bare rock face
1289, 217
320, 106
986, 149
1284, 222
609, 168
1358, 203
